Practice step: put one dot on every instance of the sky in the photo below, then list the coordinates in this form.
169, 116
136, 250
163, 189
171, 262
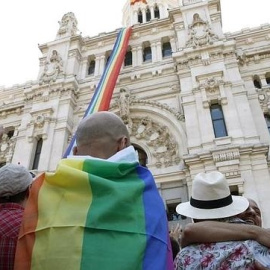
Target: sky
26, 23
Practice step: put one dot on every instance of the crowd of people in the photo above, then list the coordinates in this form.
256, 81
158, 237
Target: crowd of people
226, 232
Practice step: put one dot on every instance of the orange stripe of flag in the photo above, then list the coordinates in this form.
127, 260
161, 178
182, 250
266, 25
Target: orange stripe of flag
132, 2
23, 258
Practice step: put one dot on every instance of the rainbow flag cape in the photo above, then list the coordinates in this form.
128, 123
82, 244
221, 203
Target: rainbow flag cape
132, 2
94, 214
103, 93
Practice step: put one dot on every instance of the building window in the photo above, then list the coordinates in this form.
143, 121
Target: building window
37, 154
91, 68
128, 59
267, 120
140, 17
234, 190
172, 215
267, 78
147, 54
218, 121
156, 12
142, 156
108, 59
257, 82
148, 15
166, 49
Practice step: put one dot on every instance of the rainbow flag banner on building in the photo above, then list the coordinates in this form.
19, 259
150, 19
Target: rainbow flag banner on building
121, 223
103, 93
132, 2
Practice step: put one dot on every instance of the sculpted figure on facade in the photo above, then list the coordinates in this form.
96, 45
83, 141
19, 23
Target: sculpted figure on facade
6, 148
241, 56
159, 140
200, 33
124, 101
145, 128
68, 25
53, 68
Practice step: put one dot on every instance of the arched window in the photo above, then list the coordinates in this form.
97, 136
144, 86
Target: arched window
37, 154
257, 82
218, 121
148, 15
147, 54
128, 59
140, 17
156, 12
267, 120
141, 155
166, 49
267, 78
91, 68
108, 58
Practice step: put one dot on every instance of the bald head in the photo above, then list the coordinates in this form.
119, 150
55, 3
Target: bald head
101, 135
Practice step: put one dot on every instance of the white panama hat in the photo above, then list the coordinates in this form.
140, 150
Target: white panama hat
211, 198
14, 179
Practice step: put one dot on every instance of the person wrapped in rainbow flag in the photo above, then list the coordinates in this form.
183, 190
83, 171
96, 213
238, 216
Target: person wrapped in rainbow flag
99, 210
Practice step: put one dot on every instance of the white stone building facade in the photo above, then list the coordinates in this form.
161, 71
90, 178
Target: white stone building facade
194, 98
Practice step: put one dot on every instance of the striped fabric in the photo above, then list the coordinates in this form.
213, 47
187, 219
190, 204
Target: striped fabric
94, 214
132, 2
103, 93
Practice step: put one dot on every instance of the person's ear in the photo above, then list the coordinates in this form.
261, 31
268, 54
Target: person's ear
123, 143
75, 151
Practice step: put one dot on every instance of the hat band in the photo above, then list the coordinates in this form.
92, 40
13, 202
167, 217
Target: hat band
211, 204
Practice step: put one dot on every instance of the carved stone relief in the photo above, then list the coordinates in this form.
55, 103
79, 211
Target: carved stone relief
6, 148
53, 68
68, 25
241, 56
156, 136
158, 139
264, 99
39, 124
200, 33
211, 84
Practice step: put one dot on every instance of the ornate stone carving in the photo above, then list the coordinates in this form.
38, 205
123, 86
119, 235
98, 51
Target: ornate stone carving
241, 56
211, 84
39, 124
124, 101
159, 140
68, 25
264, 99
200, 33
128, 101
53, 68
6, 148
226, 155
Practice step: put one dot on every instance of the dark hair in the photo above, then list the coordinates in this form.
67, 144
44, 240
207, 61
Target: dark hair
175, 246
15, 198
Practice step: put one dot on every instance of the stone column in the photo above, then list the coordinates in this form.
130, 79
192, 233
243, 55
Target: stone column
97, 65
135, 17
84, 69
173, 44
154, 52
152, 12
159, 51
263, 80
101, 64
139, 56
144, 15
134, 57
